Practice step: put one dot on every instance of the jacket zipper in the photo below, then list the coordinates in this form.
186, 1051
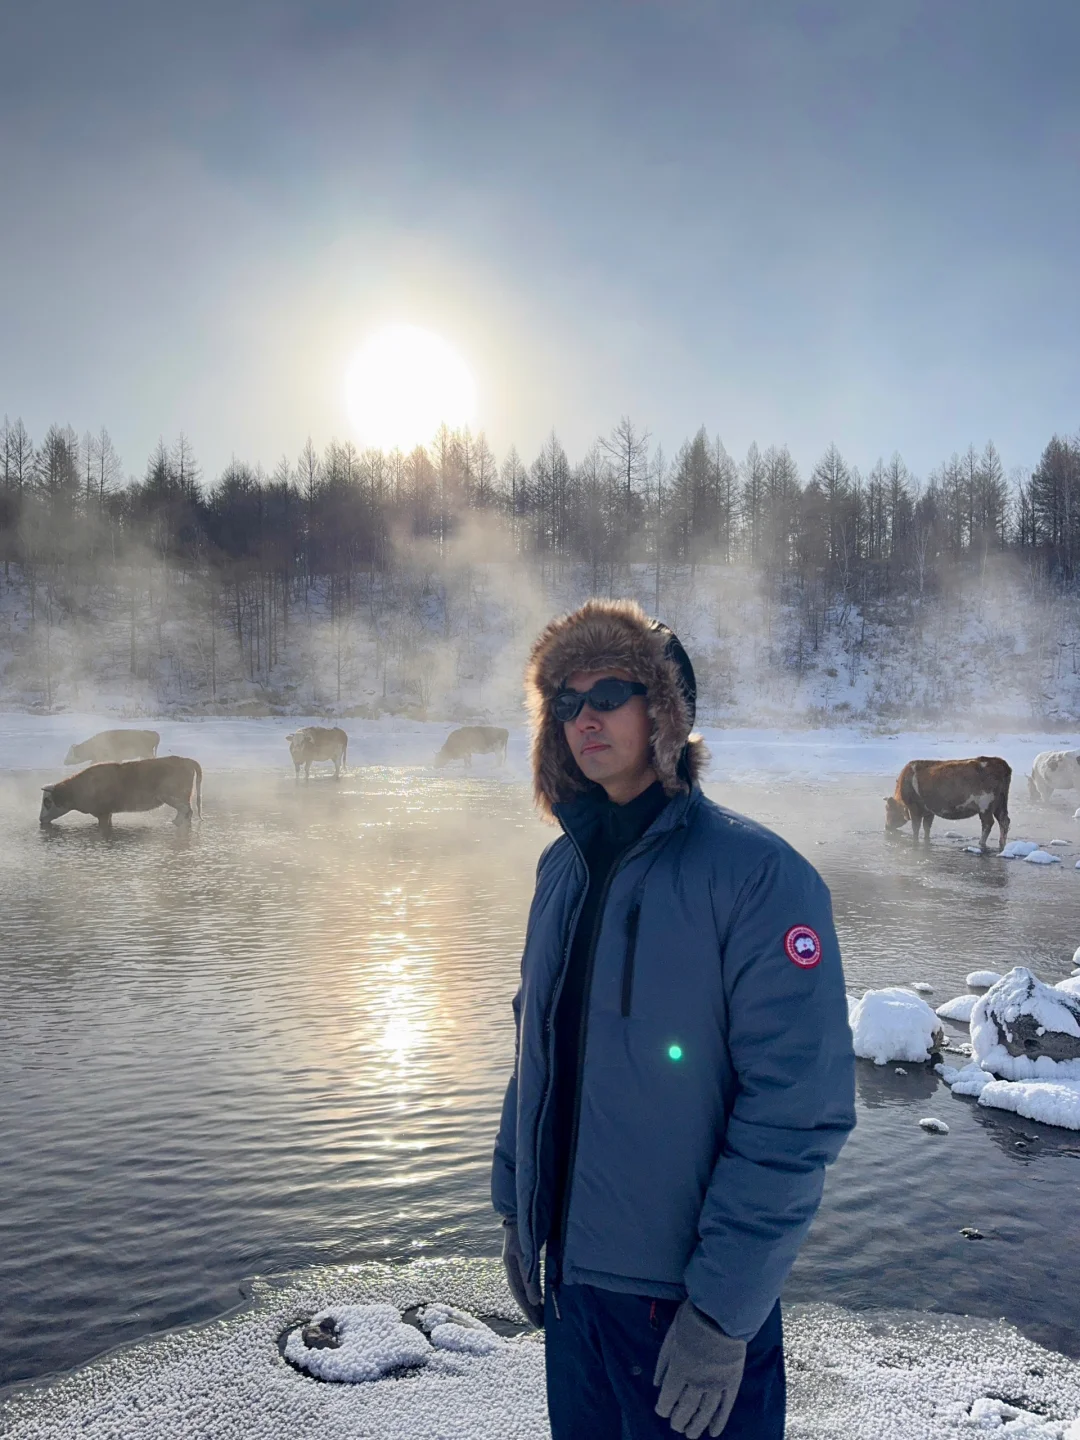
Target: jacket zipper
631, 853
548, 1024
628, 964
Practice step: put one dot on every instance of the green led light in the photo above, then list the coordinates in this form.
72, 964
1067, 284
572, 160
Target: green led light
674, 1052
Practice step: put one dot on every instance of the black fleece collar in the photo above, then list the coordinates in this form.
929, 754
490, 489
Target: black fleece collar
580, 818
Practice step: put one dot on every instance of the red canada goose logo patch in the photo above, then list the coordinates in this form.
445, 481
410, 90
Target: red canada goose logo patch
803, 946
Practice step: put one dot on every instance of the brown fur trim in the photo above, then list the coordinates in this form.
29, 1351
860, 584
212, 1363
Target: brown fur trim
605, 635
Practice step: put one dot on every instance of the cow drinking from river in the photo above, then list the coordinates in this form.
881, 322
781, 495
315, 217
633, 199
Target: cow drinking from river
470, 740
317, 742
955, 790
108, 789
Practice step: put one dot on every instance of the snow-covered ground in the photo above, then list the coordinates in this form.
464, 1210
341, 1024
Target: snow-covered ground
36, 742
871, 1376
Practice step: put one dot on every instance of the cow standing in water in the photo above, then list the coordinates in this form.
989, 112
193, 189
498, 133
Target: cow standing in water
955, 790
109, 789
317, 742
1054, 770
472, 740
114, 745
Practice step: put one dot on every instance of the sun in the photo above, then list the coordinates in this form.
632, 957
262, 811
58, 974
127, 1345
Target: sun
403, 383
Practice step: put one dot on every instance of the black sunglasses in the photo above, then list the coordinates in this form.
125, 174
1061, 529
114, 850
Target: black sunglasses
607, 694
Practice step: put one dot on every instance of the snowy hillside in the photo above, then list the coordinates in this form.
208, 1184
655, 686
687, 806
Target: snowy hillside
451, 644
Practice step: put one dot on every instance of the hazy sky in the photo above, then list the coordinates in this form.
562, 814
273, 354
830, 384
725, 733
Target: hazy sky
794, 223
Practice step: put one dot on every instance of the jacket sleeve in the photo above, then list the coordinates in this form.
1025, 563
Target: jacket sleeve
504, 1163
794, 1099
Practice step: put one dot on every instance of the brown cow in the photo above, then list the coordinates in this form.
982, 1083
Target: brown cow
955, 790
472, 740
114, 745
108, 789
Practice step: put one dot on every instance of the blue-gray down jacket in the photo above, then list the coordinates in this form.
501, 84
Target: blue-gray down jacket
717, 1075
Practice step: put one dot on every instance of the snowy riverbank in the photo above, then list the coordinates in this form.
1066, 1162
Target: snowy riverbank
872, 1376
39, 742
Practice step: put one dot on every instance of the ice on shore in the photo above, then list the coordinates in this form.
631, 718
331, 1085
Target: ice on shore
1019, 849
958, 1008
1042, 857
997, 1417
892, 1024
876, 1375
1053, 1102
982, 979
1071, 985
970, 1079
453, 1329
372, 1342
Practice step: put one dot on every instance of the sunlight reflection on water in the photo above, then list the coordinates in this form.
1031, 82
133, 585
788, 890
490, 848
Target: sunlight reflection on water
284, 1038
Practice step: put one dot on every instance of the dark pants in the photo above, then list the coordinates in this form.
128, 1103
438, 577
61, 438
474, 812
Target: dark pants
602, 1348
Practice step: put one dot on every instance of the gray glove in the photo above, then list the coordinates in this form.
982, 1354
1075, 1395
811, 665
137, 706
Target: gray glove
701, 1370
525, 1291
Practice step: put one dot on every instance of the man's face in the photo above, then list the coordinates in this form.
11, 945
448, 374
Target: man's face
611, 747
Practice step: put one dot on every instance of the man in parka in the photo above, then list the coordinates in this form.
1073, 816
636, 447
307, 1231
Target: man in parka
684, 1068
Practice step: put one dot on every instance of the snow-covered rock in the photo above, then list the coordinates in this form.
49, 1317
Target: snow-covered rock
958, 1008
1072, 985
1042, 857
922, 987
1059, 844
893, 1024
1018, 849
982, 979
1022, 1029
372, 1341
1053, 1102
934, 1126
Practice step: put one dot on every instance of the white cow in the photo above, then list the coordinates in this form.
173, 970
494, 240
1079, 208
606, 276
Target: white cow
1054, 770
317, 742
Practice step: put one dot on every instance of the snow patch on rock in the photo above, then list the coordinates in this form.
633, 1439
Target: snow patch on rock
372, 1342
893, 1024
1042, 857
1020, 1011
958, 1008
982, 979
1053, 1102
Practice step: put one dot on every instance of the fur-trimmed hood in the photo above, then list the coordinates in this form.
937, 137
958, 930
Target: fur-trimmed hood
611, 635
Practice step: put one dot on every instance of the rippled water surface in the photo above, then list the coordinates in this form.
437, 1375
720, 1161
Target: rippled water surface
283, 1039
